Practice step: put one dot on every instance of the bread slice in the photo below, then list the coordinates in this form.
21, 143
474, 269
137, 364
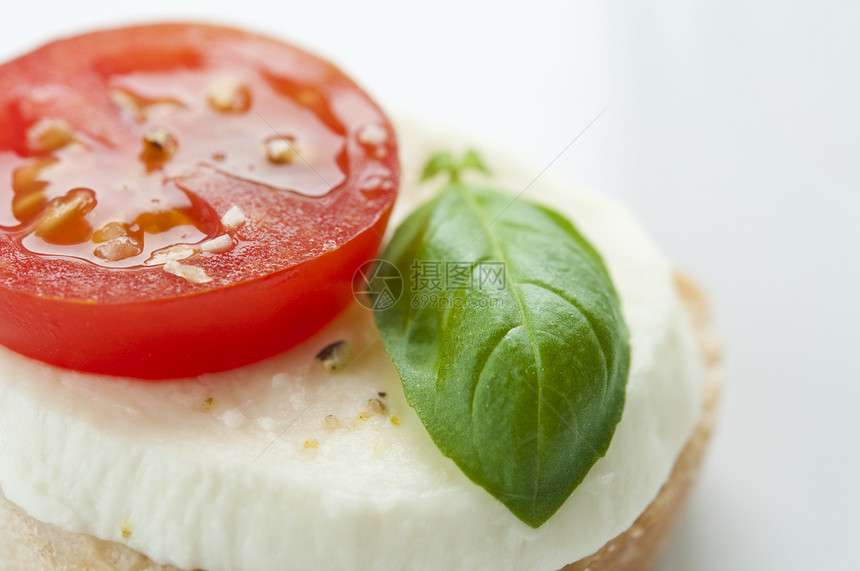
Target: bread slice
27, 544
639, 547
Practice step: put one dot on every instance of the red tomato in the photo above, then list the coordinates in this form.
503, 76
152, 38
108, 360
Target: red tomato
179, 199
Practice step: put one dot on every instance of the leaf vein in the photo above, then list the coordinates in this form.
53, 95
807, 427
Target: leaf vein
588, 319
490, 232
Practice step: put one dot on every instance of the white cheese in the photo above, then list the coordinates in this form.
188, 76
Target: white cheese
171, 254
192, 274
291, 468
217, 245
233, 218
228, 94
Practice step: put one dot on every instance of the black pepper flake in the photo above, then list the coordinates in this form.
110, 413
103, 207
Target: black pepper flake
335, 356
381, 394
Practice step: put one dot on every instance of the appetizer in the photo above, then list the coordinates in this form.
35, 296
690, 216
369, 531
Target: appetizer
215, 354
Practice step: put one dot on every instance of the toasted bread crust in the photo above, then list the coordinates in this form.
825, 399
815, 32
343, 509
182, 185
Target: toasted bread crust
639, 547
29, 544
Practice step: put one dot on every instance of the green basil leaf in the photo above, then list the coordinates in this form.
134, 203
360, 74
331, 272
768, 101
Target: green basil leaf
510, 343
471, 160
444, 163
439, 163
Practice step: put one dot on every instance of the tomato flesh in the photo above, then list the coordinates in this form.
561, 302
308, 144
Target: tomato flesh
181, 199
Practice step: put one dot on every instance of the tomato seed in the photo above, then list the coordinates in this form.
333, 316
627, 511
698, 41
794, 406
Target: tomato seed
110, 231
28, 206
56, 224
162, 220
119, 248
158, 146
47, 135
26, 178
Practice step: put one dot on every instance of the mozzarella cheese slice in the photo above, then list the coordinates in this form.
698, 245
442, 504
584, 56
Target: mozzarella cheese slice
286, 464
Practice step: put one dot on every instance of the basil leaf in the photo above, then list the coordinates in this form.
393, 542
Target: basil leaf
518, 375
438, 163
471, 160
444, 162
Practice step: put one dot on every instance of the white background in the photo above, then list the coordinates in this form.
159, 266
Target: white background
733, 129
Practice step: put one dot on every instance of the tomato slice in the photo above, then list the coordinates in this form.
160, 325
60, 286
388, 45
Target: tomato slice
181, 199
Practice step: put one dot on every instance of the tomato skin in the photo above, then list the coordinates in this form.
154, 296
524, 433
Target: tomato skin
231, 326
272, 291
